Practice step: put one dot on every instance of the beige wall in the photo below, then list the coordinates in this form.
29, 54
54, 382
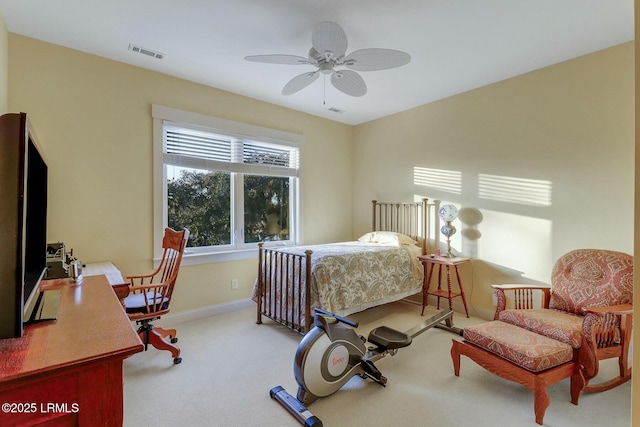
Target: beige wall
569, 128
93, 118
4, 58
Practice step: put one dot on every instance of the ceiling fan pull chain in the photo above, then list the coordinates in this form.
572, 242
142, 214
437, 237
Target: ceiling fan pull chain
324, 89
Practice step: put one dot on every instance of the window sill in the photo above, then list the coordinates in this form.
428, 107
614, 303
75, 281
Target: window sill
195, 258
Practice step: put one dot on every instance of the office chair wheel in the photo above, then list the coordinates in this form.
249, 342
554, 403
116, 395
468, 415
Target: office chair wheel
177, 360
174, 340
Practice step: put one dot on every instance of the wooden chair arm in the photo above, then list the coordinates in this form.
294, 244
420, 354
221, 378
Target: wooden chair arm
144, 276
122, 290
149, 286
611, 309
141, 280
523, 296
606, 330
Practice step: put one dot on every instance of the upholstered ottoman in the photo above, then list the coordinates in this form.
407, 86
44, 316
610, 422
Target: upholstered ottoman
520, 355
526, 349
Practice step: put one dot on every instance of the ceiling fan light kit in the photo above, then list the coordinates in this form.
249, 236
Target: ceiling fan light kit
327, 54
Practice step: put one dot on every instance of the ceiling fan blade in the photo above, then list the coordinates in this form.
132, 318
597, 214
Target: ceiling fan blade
299, 82
376, 59
349, 82
315, 56
279, 59
329, 37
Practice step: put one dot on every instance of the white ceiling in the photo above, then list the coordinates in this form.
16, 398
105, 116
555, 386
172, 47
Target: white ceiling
455, 45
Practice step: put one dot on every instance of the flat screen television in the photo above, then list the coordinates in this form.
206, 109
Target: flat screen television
23, 222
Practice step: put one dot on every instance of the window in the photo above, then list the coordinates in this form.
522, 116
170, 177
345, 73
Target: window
232, 185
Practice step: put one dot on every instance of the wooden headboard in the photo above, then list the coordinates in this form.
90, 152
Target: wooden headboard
415, 219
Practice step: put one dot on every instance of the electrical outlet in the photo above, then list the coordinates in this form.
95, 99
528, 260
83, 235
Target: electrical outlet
234, 283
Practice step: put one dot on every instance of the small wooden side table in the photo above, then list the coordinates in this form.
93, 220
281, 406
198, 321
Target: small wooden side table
428, 264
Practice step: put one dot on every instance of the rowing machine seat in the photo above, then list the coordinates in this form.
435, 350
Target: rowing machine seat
386, 338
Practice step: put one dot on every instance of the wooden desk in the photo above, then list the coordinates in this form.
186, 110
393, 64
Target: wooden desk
427, 261
69, 372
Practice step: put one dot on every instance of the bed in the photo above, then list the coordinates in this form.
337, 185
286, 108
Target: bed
347, 277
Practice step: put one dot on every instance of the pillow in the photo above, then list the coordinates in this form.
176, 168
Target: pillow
387, 238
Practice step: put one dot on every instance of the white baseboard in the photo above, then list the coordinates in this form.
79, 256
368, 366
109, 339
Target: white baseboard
204, 312
458, 307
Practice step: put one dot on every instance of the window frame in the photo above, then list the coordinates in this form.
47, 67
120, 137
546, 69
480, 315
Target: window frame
160, 115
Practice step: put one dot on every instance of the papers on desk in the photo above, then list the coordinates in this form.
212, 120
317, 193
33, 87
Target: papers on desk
108, 269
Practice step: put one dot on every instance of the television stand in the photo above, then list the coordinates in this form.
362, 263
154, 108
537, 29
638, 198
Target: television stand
46, 307
69, 372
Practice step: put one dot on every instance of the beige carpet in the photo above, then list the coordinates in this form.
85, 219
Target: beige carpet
230, 364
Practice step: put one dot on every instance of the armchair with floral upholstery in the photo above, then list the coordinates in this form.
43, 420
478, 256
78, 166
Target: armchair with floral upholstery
585, 317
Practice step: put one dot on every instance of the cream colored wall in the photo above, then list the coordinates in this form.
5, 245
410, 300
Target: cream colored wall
4, 60
570, 126
93, 118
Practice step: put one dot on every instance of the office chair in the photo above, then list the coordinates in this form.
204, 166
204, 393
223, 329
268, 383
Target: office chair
150, 295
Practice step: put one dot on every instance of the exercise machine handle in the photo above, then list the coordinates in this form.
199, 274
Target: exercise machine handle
335, 316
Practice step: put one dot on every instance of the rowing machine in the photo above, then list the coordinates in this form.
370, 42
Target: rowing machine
330, 354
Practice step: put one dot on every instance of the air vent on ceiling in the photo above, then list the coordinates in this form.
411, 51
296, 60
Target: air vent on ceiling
146, 51
335, 110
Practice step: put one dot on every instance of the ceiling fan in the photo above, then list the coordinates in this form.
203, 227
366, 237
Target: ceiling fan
327, 54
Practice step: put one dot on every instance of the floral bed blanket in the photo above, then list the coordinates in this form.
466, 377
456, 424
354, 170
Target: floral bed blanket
353, 276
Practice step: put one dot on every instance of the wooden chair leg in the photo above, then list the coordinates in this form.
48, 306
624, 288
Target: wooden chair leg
578, 384
541, 399
156, 340
166, 332
455, 357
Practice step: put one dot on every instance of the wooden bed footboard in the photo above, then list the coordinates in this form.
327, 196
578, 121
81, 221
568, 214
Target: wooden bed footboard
283, 293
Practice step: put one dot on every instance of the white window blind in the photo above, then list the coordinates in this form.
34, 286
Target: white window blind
190, 143
187, 147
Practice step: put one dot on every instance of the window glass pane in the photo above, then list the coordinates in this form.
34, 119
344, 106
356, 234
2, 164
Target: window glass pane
266, 208
200, 200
